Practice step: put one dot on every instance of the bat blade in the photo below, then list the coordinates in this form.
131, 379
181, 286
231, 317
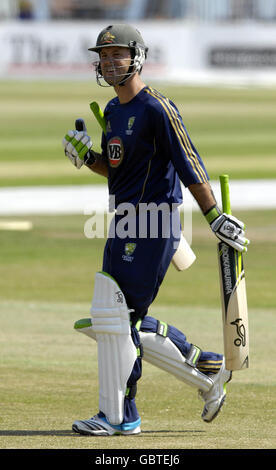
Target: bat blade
234, 308
233, 297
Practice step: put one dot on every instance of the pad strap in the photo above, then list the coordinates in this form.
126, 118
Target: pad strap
193, 356
162, 328
163, 353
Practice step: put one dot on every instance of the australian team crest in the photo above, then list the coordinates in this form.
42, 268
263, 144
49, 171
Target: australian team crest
130, 125
107, 38
131, 122
129, 250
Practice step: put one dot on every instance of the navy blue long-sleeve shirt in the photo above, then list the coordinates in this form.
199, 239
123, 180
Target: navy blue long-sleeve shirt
148, 150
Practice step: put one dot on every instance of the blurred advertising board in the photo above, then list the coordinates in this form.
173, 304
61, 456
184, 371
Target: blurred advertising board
178, 50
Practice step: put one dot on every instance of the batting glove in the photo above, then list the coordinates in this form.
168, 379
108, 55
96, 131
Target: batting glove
228, 229
77, 145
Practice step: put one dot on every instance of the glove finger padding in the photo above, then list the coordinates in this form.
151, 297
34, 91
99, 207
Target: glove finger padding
76, 145
230, 230
83, 146
79, 163
71, 158
234, 243
84, 151
242, 240
71, 149
70, 134
80, 138
67, 141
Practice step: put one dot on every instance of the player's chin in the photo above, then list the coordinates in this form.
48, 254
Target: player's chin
112, 79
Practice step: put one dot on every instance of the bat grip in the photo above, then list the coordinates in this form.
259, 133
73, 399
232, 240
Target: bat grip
99, 115
225, 194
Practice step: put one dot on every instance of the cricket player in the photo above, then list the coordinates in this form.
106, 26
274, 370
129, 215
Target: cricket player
146, 152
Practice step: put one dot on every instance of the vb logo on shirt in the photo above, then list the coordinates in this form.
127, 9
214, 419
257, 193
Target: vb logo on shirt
115, 151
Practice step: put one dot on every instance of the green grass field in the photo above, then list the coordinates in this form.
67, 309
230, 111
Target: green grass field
232, 129
48, 372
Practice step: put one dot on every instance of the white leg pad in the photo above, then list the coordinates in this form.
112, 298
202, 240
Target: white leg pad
162, 353
116, 350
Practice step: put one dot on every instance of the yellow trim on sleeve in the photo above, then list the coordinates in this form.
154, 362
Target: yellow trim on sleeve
180, 133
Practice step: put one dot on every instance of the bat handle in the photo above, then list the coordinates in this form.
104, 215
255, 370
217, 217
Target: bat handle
80, 125
225, 194
99, 115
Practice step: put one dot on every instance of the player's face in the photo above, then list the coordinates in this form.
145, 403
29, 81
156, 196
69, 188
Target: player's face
115, 62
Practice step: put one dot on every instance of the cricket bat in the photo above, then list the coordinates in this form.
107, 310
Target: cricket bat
184, 255
233, 296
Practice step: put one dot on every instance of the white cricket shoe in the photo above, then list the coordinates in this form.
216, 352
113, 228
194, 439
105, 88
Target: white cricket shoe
215, 397
96, 426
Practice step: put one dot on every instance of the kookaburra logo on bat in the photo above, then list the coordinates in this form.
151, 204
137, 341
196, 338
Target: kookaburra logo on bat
241, 340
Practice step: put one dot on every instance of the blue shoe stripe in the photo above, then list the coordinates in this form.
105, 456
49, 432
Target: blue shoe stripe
124, 426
